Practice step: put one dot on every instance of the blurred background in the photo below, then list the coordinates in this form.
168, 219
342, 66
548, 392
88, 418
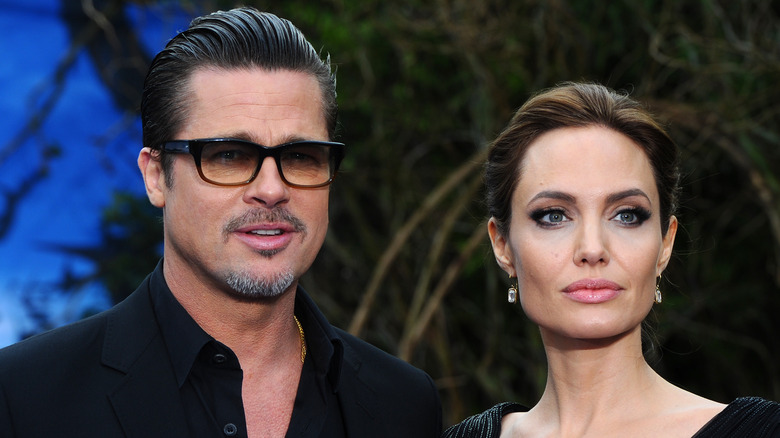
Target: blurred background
423, 87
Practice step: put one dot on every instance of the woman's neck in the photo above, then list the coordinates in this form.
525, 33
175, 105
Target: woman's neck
605, 388
594, 385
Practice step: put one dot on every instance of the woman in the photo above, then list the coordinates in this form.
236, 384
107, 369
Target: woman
582, 188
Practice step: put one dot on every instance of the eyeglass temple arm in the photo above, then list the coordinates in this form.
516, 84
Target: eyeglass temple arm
176, 146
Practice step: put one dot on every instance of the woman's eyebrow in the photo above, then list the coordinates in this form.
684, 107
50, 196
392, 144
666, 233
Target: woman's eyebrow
612, 198
553, 194
619, 196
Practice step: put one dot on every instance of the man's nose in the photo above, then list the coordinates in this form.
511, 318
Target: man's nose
268, 188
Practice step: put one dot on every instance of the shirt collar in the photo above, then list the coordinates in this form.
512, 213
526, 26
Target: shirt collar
325, 346
184, 338
182, 335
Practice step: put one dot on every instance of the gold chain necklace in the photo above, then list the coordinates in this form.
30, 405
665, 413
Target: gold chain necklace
303, 339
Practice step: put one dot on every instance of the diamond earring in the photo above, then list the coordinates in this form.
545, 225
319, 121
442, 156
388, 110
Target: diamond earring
512, 294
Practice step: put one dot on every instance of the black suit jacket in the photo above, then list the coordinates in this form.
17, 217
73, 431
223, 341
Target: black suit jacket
110, 376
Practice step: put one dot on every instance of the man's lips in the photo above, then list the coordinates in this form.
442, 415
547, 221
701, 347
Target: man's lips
592, 290
265, 230
265, 222
266, 237
275, 232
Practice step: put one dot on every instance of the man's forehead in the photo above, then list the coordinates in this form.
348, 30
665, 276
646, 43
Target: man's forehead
268, 107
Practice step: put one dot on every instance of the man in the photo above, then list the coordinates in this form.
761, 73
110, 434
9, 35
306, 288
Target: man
238, 115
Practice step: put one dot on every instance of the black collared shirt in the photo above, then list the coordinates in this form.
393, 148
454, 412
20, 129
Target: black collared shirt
209, 375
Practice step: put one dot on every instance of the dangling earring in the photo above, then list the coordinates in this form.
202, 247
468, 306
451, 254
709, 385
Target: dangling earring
658, 298
512, 294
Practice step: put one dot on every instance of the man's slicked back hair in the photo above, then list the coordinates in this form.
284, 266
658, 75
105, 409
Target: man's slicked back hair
240, 38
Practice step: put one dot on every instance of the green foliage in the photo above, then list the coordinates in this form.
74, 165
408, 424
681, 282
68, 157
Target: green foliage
131, 230
425, 85
129, 247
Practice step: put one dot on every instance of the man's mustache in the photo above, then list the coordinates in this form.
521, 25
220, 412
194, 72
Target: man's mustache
257, 216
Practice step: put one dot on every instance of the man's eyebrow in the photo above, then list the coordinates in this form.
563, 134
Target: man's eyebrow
293, 138
238, 135
243, 135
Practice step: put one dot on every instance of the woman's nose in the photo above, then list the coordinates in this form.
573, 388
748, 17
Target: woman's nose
591, 245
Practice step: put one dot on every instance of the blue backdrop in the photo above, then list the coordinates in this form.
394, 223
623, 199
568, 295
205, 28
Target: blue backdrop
87, 146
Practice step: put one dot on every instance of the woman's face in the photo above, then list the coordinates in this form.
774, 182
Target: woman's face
585, 238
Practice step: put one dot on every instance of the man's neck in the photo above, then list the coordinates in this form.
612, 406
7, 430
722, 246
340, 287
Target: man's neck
259, 332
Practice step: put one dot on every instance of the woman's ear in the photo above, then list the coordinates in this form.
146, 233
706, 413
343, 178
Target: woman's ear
154, 177
501, 248
667, 245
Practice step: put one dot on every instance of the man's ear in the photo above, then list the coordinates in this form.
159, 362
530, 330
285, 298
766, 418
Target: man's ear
667, 245
154, 177
501, 248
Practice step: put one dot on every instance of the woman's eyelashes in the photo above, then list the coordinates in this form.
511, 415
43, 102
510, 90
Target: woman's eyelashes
633, 216
552, 217
549, 217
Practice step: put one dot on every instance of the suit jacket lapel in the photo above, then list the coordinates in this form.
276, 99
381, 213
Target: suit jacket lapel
359, 403
146, 400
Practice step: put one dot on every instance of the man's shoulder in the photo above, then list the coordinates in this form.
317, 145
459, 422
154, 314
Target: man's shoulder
52, 342
377, 367
75, 340
368, 353
401, 397
362, 357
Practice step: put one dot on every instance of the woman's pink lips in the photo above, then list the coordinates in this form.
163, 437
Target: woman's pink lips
592, 290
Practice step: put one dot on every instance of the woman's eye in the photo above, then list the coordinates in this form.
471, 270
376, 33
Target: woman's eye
549, 217
634, 216
554, 217
627, 216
